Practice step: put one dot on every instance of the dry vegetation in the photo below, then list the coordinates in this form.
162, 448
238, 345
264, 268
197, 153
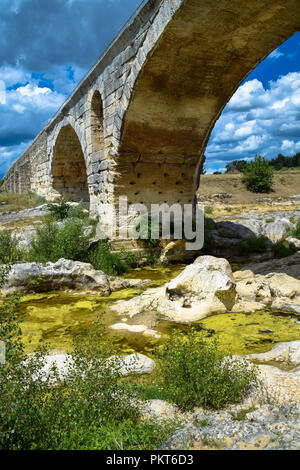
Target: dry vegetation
286, 184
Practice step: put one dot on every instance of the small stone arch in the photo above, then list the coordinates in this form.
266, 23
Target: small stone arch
69, 174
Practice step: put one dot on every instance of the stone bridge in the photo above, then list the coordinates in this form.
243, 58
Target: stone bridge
139, 122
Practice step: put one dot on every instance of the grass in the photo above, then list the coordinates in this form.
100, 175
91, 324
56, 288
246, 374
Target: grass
17, 202
296, 232
254, 244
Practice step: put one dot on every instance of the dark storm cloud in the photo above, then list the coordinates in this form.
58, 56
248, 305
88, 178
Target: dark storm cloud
39, 35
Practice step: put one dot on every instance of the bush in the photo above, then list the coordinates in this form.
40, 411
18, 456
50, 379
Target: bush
254, 244
63, 210
103, 259
53, 242
195, 372
258, 175
295, 232
94, 409
282, 249
8, 251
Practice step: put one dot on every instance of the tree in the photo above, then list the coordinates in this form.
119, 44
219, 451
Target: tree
258, 175
236, 166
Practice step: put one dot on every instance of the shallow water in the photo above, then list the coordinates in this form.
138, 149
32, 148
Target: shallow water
54, 319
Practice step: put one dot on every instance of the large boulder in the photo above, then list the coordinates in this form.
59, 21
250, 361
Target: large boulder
287, 353
64, 274
67, 275
126, 365
205, 287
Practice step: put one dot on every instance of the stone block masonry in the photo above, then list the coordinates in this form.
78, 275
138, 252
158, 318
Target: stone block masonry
138, 124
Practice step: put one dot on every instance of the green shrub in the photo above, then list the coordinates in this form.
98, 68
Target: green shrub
8, 248
282, 249
295, 232
94, 409
144, 228
208, 210
258, 175
53, 242
254, 244
63, 210
103, 259
195, 372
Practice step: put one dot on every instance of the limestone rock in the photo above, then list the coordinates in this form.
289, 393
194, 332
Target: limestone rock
287, 352
133, 364
176, 251
207, 286
135, 329
64, 274
159, 409
118, 283
294, 243
282, 386
289, 265
125, 365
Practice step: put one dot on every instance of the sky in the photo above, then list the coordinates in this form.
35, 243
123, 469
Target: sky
46, 47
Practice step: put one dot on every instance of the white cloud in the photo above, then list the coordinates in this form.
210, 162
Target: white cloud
275, 55
258, 120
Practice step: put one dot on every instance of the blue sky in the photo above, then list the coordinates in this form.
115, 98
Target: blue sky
47, 46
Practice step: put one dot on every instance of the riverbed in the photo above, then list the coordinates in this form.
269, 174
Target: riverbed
55, 319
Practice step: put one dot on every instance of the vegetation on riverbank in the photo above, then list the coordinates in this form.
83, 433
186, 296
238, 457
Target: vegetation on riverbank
94, 408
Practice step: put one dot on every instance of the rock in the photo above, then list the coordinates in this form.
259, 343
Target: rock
266, 427
205, 287
160, 410
222, 196
176, 251
278, 289
133, 364
289, 265
287, 352
118, 283
294, 243
126, 365
64, 274
135, 329
282, 386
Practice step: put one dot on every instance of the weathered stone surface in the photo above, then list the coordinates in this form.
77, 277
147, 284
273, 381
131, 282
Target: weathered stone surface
133, 102
289, 265
135, 329
65, 274
125, 365
266, 427
294, 243
207, 286
288, 353
176, 251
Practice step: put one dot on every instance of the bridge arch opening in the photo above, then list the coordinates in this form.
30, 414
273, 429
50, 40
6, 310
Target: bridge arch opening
183, 87
69, 175
97, 131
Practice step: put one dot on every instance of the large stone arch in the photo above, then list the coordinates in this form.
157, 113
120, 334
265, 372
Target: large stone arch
68, 167
196, 64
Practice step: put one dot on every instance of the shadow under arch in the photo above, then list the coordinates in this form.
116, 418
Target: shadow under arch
69, 175
196, 65
97, 129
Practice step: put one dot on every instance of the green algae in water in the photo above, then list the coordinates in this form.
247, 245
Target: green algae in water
247, 333
55, 318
